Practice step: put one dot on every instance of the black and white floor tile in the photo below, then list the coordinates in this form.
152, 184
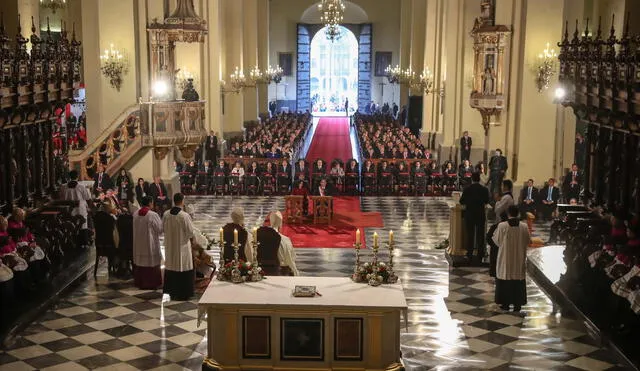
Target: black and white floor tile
108, 324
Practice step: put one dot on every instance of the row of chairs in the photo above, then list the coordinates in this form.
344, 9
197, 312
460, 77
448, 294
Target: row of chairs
220, 183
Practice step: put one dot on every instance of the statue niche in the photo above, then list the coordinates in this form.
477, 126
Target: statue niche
490, 57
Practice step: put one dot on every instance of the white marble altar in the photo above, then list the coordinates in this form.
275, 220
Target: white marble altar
350, 326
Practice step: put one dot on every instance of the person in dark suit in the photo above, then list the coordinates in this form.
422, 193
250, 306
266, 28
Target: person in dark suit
465, 146
549, 199
302, 169
158, 191
211, 147
142, 190
497, 168
324, 189
102, 180
272, 108
528, 198
475, 199
572, 183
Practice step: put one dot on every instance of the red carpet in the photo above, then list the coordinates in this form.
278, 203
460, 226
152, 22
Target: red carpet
347, 217
330, 140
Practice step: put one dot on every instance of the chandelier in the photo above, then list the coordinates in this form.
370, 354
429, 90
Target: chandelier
53, 4
407, 77
545, 68
332, 15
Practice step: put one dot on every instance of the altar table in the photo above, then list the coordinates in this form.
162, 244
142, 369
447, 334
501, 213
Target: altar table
261, 326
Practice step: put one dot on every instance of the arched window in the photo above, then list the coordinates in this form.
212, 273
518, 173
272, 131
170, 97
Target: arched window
336, 65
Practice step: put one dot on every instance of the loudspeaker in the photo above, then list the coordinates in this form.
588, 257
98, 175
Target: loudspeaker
414, 118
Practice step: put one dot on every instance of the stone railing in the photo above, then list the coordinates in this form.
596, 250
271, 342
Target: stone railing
157, 125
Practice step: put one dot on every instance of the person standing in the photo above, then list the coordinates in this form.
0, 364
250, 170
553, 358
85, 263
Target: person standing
465, 146
178, 231
147, 228
497, 168
211, 149
475, 198
512, 237
346, 106
572, 184
505, 201
580, 150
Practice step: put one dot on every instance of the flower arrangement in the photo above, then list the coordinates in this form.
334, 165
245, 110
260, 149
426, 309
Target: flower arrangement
375, 272
372, 271
238, 270
246, 271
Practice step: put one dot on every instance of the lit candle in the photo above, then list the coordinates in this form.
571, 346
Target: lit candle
235, 236
390, 237
358, 235
375, 238
221, 235
255, 234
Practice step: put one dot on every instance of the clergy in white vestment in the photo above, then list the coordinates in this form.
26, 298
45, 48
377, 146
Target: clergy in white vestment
147, 258
512, 237
178, 231
286, 253
74, 191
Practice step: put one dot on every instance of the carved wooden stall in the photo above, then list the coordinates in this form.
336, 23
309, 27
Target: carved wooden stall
32, 87
601, 78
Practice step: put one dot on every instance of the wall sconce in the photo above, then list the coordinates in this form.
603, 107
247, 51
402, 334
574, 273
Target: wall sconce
114, 66
407, 77
238, 80
545, 68
270, 75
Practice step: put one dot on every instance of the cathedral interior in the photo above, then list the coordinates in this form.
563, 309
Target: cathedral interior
343, 146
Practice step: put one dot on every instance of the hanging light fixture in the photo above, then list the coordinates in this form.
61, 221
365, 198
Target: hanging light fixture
53, 4
332, 15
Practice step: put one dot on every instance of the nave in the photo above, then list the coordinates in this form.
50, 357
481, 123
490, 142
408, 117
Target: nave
452, 321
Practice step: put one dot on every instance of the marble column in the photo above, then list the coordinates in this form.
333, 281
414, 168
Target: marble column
250, 55
263, 53
212, 72
405, 45
433, 58
232, 40
454, 35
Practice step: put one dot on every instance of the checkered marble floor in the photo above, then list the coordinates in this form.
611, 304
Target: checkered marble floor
108, 324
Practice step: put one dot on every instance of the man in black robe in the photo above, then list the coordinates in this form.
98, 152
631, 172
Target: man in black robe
475, 199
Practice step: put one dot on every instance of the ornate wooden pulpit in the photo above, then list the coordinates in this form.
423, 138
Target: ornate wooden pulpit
293, 208
322, 209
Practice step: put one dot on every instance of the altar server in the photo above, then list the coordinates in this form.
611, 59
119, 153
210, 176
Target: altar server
74, 191
512, 237
178, 232
286, 253
147, 228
